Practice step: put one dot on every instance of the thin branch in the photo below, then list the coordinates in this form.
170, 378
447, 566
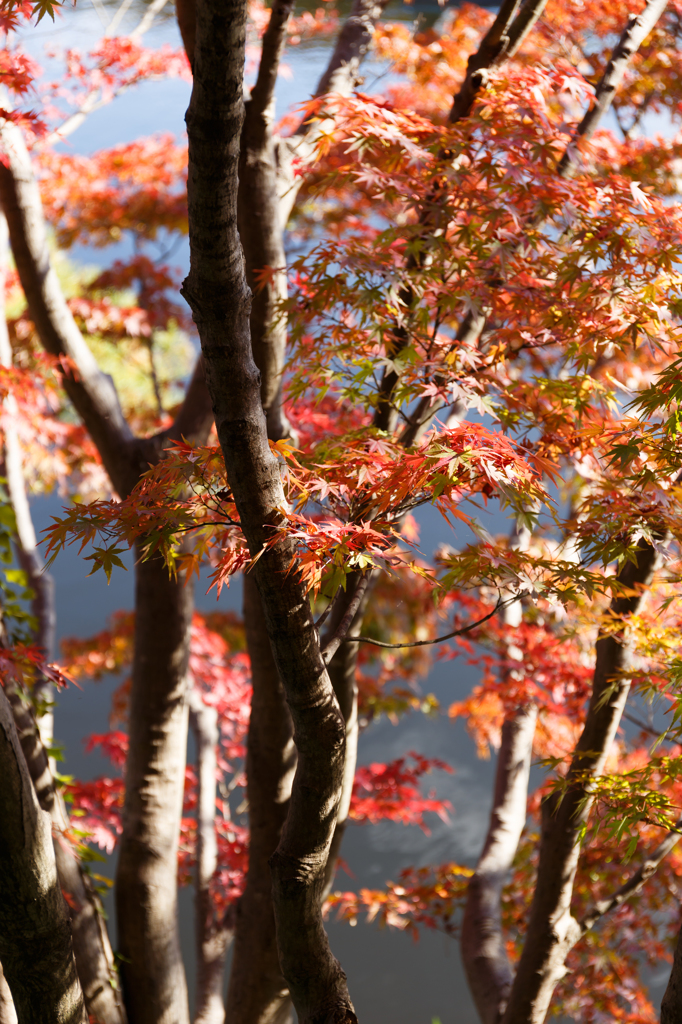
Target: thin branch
92, 392
263, 92
148, 19
352, 44
332, 645
634, 34
500, 42
117, 18
640, 724
94, 99
635, 881
439, 639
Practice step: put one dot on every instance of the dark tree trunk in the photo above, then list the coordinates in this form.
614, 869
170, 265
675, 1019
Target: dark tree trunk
258, 991
219, 297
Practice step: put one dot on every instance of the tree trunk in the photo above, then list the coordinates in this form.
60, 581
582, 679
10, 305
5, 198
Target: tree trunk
35, 937
257, 990
147, 895
146, 879
260, 229
217, 292
213, 934
91, 946
342, 672
671, 1007
487, 967
8, 1015
552, 930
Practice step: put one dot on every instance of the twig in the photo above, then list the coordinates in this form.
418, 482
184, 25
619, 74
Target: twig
636, 880
439, 639
94, 100
331, 647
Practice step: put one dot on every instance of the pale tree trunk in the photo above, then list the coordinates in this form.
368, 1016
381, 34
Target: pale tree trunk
217, 292
213, 933
40, 582
671, 1007
146, 877
8, 1015
342, 672
552, 930
91, 946
92, 950
486, 964
153, 973
35, 936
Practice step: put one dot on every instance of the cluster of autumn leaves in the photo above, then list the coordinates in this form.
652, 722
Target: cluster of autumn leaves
560, 409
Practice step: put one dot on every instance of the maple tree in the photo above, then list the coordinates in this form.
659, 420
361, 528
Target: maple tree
484, 312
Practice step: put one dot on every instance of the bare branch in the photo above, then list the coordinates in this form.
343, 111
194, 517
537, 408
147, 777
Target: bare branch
331, 646
91, 391
634, 34
352, 44
118, 17
636, 880
438, 639
263, 92
148, 18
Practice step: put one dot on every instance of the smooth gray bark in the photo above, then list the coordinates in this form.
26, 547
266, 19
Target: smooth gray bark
28, 556
92, 950
343, 672
213, 932
484, 953
146, 878
552, 930
91, 946
487, 966
35, 937
8, 1015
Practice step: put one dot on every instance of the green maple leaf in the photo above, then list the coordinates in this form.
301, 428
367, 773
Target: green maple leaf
43, 7
105, 558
